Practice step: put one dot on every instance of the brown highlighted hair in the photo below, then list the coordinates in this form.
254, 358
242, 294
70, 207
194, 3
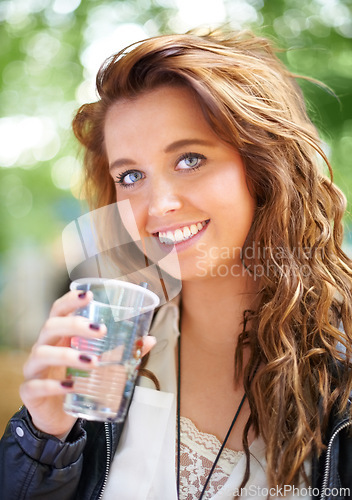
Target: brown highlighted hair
301, 331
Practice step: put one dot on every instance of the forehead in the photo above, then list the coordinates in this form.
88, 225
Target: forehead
163, 106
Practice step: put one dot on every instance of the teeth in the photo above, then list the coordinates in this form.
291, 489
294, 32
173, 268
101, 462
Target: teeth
169, 236
186, 232
182, 234
178, 235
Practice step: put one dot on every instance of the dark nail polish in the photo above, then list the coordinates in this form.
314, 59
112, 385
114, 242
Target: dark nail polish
82, 295
94, 326
67, 383
85, 358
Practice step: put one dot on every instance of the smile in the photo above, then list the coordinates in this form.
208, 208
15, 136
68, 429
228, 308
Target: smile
182, 234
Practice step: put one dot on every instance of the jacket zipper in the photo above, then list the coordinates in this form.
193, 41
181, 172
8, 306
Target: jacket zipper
328, 458
108, 459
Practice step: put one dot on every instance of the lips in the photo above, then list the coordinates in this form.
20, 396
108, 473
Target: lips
183, 233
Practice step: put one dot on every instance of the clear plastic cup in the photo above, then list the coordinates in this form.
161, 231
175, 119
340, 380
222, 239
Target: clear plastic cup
126, 309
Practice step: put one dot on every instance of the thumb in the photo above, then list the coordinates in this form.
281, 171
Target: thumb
148, 343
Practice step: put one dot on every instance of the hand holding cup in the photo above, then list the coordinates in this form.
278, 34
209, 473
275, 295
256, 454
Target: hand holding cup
45, 372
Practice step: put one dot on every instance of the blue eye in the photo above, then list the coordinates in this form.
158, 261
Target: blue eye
132, 177
190, 161
129, 177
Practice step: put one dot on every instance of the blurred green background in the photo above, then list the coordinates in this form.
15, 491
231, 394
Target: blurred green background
50, 52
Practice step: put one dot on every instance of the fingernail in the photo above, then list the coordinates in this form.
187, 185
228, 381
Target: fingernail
139, 343
94, 326
67, 383
85, 358
82, 295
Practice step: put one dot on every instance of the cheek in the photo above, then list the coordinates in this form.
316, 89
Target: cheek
128, 218
246, 205
235, 207
243, 210
133, 217
231, 191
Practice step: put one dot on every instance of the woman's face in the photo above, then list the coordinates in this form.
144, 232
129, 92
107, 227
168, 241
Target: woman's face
186, 186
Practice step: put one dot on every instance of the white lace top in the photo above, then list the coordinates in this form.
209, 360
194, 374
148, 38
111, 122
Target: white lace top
198, 451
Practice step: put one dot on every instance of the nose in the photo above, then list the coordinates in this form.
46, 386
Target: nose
164, 197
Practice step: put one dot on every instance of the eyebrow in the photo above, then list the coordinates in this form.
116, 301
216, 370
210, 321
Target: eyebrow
186, 142
174, 146
122, 162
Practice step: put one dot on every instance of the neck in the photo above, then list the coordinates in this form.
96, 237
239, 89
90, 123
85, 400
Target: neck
212, 311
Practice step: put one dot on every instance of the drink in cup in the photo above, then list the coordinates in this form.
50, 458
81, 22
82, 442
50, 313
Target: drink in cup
126, 310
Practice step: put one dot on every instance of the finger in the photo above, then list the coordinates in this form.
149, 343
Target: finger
70, 302
38, 388
148, 343
46, 356
69, 326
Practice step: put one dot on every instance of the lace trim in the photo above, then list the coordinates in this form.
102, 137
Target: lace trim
208, 445
198, 451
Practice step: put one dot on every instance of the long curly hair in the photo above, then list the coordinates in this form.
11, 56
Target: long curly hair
300, 335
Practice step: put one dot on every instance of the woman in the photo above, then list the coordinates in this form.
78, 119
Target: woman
208, 138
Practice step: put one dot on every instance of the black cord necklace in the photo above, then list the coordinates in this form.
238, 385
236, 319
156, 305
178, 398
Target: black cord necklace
179, 428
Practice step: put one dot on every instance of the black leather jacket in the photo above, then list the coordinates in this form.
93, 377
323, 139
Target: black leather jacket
36, 466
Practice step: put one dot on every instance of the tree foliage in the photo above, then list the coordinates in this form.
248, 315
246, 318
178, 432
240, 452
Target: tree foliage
46, 56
